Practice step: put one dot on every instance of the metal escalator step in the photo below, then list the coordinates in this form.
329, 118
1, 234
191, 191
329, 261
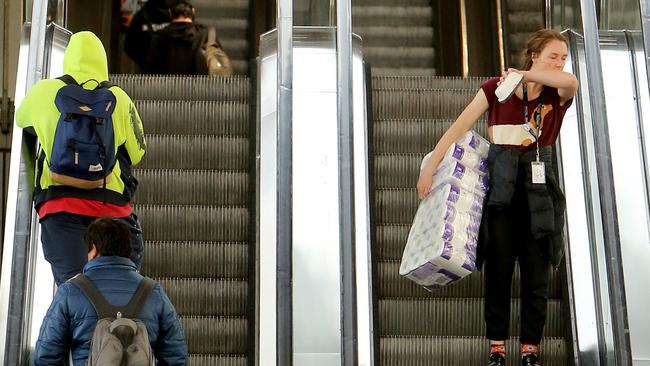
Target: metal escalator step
194, 117
413, 135
392, 71
391, 284
227, 27
528, 21
525, 5
187, 187
391, 16
452, 317
426, 82
184, 87
216, 335
395, 205
419, 104
215, 9
412, 36
194, 223
391, 239
236, 49
397, 170
196, 152
460, 351
217, 360
207, 297
195, 259
403, 57
392, 2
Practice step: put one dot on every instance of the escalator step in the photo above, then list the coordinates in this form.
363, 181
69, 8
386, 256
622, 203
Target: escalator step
460, 351
392, 71
207, 297
217, 360
419, 104
413, 136
195, 259
528, 21
194, 223
426, 82
391, 284
216, 9
390, 15
411, 36
216, 335
188, 187
396, 206
194, 117
525, 6
409, 3
397, 170
403, 56
151, 87
196, 152
452, 317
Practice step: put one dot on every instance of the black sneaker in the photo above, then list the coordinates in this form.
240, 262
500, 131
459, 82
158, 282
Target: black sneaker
530, 360
497, 359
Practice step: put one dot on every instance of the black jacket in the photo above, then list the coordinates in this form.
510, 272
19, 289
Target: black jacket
545, 201
153, 16
175, 50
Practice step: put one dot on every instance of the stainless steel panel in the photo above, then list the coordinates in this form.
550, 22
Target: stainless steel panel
629, 179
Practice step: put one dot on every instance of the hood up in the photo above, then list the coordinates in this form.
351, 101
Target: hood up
85, 58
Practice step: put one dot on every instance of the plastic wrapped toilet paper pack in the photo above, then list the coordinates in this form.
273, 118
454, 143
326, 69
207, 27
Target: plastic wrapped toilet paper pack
441, 246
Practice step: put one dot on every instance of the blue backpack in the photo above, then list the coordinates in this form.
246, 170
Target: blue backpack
83, 150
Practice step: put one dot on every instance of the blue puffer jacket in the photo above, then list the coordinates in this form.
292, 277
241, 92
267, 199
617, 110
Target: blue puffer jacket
71, 318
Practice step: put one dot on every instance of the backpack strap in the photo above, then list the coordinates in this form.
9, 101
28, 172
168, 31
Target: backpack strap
133, 308
103, 308
68, 79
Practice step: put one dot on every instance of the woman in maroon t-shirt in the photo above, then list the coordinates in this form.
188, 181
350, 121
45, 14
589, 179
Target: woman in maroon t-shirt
550, 91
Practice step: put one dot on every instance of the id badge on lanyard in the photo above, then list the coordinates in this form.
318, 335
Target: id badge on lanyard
537, 167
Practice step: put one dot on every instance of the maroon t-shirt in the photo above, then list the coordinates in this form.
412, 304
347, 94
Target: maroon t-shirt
506, 120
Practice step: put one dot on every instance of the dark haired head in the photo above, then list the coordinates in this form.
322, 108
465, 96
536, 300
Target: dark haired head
110, 236
182, 9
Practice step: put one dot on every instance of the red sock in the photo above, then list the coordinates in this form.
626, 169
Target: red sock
527, 349
498, 347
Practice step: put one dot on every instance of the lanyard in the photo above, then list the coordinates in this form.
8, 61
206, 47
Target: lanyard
538, 117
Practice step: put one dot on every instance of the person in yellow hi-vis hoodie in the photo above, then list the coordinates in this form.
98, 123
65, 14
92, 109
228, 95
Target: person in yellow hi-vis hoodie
67, 204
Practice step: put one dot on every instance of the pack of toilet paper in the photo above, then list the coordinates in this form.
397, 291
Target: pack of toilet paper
441, 246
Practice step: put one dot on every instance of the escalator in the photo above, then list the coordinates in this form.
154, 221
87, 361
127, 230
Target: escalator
194, 203
521, 18
398, 36
444, 327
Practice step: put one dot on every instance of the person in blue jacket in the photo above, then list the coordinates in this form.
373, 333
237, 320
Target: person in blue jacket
71, 319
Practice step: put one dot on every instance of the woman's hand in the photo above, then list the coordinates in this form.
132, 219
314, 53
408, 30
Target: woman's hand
504, 75
425, 181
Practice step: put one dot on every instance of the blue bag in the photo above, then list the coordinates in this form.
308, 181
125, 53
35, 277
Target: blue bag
83, 150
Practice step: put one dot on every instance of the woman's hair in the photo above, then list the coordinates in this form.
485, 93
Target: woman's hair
536, 44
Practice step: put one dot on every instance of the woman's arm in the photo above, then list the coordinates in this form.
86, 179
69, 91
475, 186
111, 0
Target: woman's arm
464, 123
565, 82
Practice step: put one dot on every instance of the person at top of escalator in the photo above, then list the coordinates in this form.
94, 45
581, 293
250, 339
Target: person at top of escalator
75, 125
523, 215
186, 47
71, 319
151, 17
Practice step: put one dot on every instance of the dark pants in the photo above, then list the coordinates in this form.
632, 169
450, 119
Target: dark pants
510, 240
64, 248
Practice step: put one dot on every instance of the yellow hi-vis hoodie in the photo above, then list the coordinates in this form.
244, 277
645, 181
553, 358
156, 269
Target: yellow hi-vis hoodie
84, 59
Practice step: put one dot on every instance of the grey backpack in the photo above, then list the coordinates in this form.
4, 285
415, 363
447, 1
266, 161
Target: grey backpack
120, 338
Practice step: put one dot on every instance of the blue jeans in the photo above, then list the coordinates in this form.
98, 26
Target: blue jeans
62, 236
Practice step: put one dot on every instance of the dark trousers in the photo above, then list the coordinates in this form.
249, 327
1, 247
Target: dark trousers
64, 248
510, 240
